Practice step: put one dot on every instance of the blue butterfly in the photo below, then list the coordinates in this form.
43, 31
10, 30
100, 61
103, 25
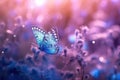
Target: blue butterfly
47, 42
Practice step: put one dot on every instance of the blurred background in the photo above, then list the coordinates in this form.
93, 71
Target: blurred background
97, 21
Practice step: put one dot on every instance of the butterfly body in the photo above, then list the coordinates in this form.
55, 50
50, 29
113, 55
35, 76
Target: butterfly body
47, 42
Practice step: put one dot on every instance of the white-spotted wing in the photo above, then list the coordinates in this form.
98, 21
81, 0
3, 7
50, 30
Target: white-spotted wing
47, 42
39, 35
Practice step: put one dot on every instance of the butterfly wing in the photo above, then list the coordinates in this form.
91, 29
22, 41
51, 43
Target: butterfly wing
49, 48
52, 50
39, 35
47, 42
51, 42
52, 37
54, 34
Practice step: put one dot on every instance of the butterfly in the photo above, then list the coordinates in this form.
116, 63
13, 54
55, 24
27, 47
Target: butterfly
47, 41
